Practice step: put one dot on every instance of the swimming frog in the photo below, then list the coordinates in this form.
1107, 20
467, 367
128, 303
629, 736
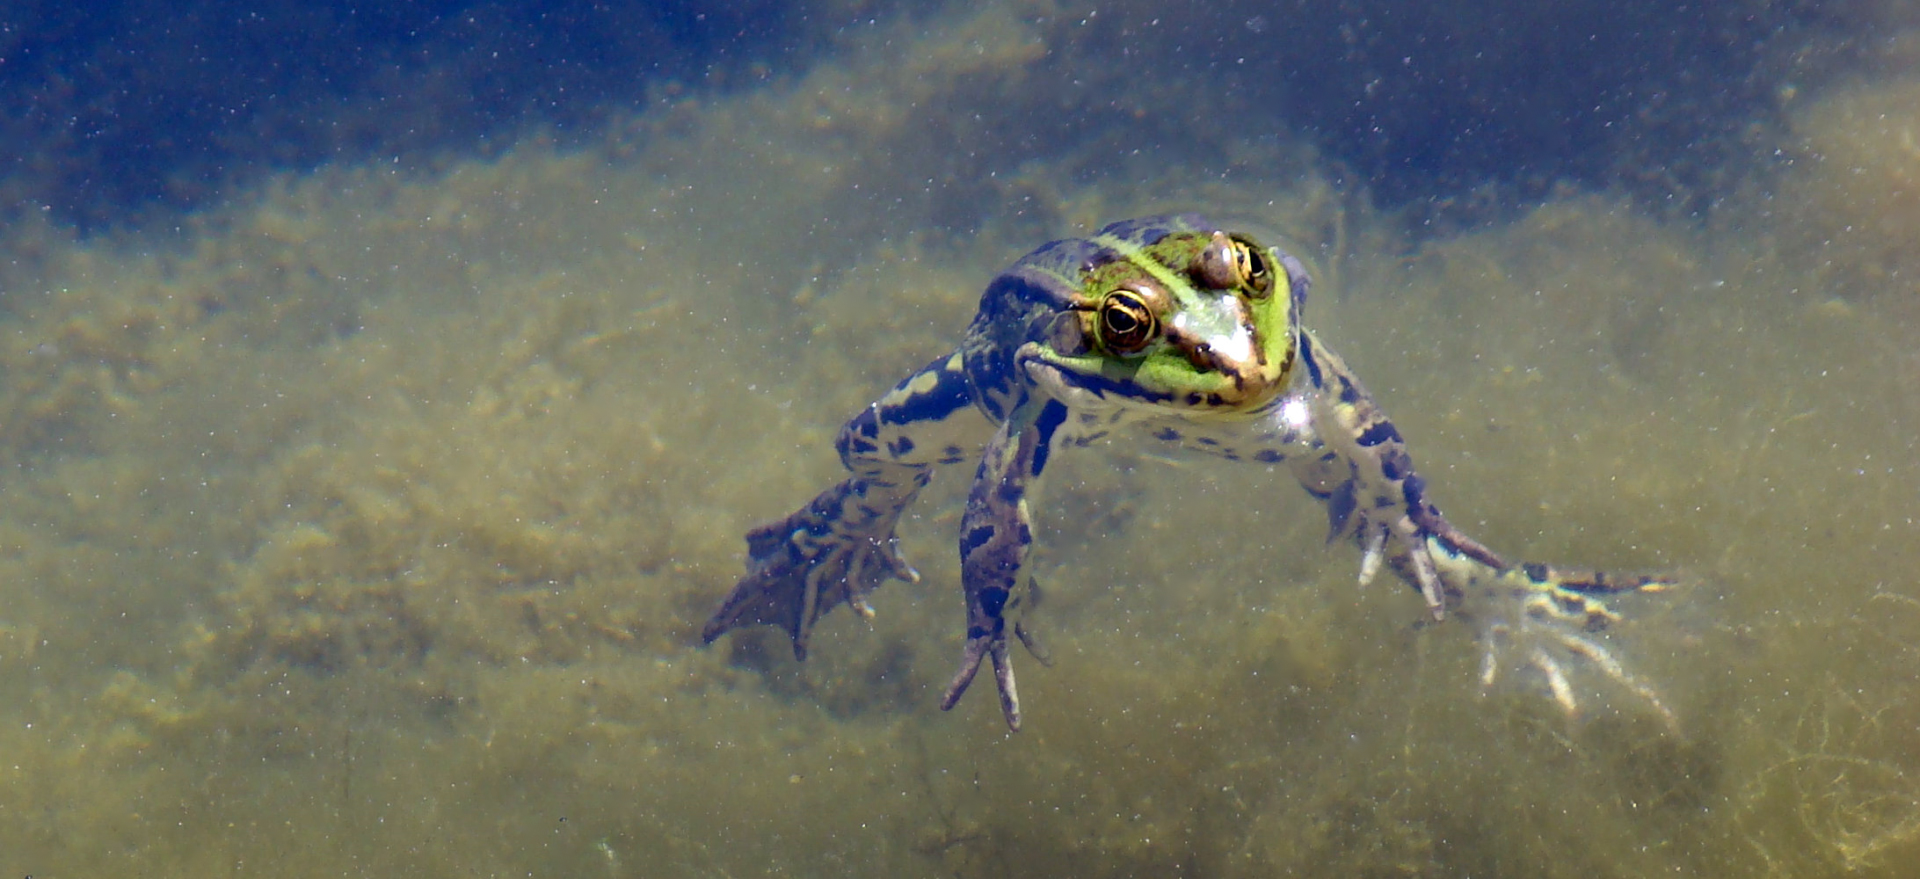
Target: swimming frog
1174, 331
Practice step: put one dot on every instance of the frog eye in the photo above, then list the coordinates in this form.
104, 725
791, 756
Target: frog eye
1259, 271
1231, 262
1127, 323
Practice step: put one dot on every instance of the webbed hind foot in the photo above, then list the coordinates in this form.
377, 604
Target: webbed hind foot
1558, 625
801, 567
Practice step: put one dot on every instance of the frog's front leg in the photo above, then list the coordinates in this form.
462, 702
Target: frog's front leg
840, 546
1382, 498
995, 534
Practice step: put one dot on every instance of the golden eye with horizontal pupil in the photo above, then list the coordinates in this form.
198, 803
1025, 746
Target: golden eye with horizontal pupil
1230, 262
1126, 323
1256, 270
1217, 266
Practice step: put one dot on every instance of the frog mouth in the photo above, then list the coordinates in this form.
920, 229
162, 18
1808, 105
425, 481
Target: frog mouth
1089, 389
1227, 385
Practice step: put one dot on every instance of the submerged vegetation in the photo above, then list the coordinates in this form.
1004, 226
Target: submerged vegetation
364, 523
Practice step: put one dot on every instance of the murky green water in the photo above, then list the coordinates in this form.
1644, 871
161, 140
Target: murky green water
365, 527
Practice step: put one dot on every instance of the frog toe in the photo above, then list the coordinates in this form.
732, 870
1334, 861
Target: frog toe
895, 563
1557, 631
994, 648
1372, 552
1557, 659
1425, 575
1033, 644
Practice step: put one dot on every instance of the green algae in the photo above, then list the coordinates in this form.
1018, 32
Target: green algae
365, 527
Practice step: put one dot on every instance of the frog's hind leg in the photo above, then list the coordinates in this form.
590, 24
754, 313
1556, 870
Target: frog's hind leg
823, 555
840, 547
1565, 612
977, 649
1033, 643
1550, 622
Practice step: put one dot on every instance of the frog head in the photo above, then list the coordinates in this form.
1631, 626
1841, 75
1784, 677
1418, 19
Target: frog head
1172, 314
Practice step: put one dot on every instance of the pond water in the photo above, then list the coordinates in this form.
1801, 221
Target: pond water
360, 518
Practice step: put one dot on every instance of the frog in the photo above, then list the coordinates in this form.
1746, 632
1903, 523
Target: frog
1172, 332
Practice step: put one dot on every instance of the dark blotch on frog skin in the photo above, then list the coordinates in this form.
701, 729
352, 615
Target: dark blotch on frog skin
993, 600
975, 539
1051, 418
948, 395
1380, 432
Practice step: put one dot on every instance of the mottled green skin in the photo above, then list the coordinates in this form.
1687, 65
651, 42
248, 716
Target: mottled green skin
1179, 333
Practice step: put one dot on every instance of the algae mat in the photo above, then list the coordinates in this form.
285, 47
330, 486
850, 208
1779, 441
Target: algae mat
365, 525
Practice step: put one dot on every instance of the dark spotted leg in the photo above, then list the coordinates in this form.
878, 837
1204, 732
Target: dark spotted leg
840, 546
1383, 498
995, 534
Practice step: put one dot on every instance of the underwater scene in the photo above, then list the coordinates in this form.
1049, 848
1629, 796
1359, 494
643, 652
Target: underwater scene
385, 397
